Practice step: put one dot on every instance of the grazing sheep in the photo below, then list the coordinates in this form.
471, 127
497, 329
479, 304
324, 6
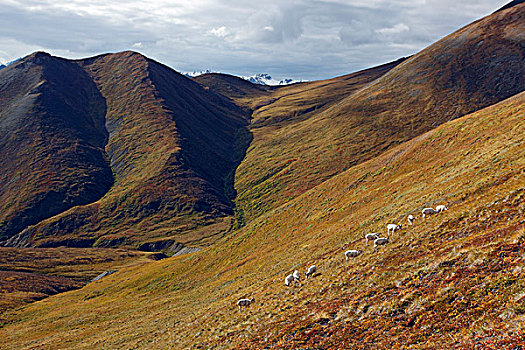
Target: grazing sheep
411, 219
289, 280
380, 241
441, 208
244, 302
311, 271
296, 276
428, 211
393, 228
371, 236
352, 253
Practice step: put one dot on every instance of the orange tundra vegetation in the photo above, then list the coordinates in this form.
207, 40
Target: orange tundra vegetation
453, 280
303, 173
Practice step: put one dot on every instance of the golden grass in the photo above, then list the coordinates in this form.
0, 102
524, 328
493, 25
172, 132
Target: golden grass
450, 281
307, 133
30, 274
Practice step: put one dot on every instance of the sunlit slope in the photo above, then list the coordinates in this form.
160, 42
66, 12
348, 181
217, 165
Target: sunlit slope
291, 152
453, 280
171, 147
275, 105
31, 274
293, 103
52, 140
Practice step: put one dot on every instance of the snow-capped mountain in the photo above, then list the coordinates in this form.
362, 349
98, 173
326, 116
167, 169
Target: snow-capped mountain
262, 78
266, 79
197, 73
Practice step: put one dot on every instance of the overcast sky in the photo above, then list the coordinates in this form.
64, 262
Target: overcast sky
302, 39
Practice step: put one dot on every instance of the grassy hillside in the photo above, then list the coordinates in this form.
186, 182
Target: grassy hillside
306, 133
52, 140
454, 280
172, 148
30, 274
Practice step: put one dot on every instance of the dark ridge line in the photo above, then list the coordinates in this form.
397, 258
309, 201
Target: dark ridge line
509, 5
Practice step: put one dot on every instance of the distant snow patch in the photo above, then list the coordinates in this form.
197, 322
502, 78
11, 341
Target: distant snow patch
261, 78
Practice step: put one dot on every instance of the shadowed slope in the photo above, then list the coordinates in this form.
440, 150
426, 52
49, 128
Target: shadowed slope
453, 280
472, 68
511, 4
171, 147
52, 140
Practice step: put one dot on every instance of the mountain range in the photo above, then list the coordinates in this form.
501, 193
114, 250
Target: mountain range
261, 78
120, 151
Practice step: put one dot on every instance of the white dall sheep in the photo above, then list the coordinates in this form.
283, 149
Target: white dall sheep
296, 276
380, 241
244, 302
393, 228
411, 219
428, 211
352, 253
371, 237
441, 208
288, 280
311, 271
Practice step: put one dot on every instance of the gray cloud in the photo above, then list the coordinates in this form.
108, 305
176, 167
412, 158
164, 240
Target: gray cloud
308, 39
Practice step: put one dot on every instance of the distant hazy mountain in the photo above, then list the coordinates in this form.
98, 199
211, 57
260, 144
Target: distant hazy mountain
197, 73
266, 79
261, 78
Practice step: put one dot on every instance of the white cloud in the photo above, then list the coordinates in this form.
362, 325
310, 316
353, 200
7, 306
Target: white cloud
220, 32
398, 28
308, 39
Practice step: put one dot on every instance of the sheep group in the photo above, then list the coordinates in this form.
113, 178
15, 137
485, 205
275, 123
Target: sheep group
432, 211
295, 277
391, 229
353, 253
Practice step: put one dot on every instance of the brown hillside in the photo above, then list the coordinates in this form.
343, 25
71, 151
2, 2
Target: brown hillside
52, 140
171, 146
472, 68
31, 274
454, 280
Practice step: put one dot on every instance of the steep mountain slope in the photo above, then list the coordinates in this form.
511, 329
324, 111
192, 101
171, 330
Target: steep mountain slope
171, 146
300, 142
52, 140
454, 280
